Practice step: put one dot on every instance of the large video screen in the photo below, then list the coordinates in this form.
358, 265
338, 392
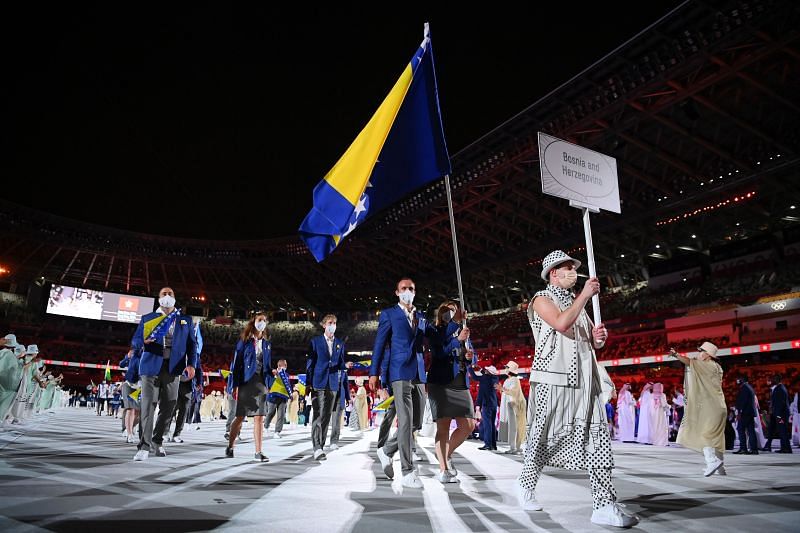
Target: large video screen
97, 305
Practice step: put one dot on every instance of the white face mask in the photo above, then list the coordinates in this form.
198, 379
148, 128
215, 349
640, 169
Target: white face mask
166, 301
261, 325
567, 278
406, 297
330, 329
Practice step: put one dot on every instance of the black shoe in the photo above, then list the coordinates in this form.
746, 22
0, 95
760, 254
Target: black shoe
784, 451
484, 448
766, 450
754, 452
227, 436
740, 452
228, 452
261, 457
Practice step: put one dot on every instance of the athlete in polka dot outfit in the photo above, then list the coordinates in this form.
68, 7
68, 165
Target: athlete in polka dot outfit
567, 412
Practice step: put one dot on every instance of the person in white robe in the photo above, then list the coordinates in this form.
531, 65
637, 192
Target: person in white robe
626, 416
659, 412
645, 413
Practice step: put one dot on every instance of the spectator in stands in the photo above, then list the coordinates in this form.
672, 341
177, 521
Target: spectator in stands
167, 341
569, 429
252, 375
746, 417
779, 416
703, 427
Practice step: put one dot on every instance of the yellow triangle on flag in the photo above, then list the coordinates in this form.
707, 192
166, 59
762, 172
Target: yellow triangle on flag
224, 373
135, 395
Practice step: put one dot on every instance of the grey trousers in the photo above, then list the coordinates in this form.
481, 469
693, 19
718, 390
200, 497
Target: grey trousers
322, 403
409, 405
272, 409
336, 421
161, 390
230, 415
386, 425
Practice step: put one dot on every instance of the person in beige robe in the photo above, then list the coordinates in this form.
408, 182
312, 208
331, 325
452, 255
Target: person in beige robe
516, 408
703, 426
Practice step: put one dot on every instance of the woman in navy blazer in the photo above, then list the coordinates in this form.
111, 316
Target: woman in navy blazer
251, 374
448, 387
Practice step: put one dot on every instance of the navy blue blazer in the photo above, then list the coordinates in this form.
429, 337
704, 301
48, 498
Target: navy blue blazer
406, 361
779, 402
132, 363
184, 347
344, 388
487, 396
746, 400
446, 352
322, 368
243, 367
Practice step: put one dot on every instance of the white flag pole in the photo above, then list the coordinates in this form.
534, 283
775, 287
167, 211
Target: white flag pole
455, 247
587, 232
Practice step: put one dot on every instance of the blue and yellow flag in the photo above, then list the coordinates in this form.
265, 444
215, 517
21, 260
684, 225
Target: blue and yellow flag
135, 395
384, 405
301, 384
280, 387
362, 365
400, 149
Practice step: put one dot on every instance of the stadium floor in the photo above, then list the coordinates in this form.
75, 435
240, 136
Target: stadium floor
71, 471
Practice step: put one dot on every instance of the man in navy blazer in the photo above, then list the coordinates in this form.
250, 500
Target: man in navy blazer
746, 408
167, 340
487, 399
403, 329
324, 361
779, 416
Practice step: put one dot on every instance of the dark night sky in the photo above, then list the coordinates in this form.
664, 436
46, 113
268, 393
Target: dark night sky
118, 116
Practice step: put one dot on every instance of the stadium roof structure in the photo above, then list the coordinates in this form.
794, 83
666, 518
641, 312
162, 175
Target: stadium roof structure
700, 110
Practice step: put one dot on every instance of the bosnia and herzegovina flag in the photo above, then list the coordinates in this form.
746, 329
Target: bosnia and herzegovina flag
362, 365
301, 384
400, 149
384, 405
280, 387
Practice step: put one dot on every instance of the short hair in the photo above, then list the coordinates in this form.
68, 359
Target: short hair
402, 279
327, 317
777, 378
283, 362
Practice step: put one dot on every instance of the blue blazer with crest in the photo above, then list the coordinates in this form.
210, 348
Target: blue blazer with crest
322, 368
243, 367
405, 354
184, 347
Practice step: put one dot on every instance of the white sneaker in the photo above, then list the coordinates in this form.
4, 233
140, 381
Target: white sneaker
278, 436
613, 515
129, 439
333, 447
177, 439
161, 452
446, 477
141, 455
386, 463
412, 481
451, 467
713, 463
527, 499
319, 455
